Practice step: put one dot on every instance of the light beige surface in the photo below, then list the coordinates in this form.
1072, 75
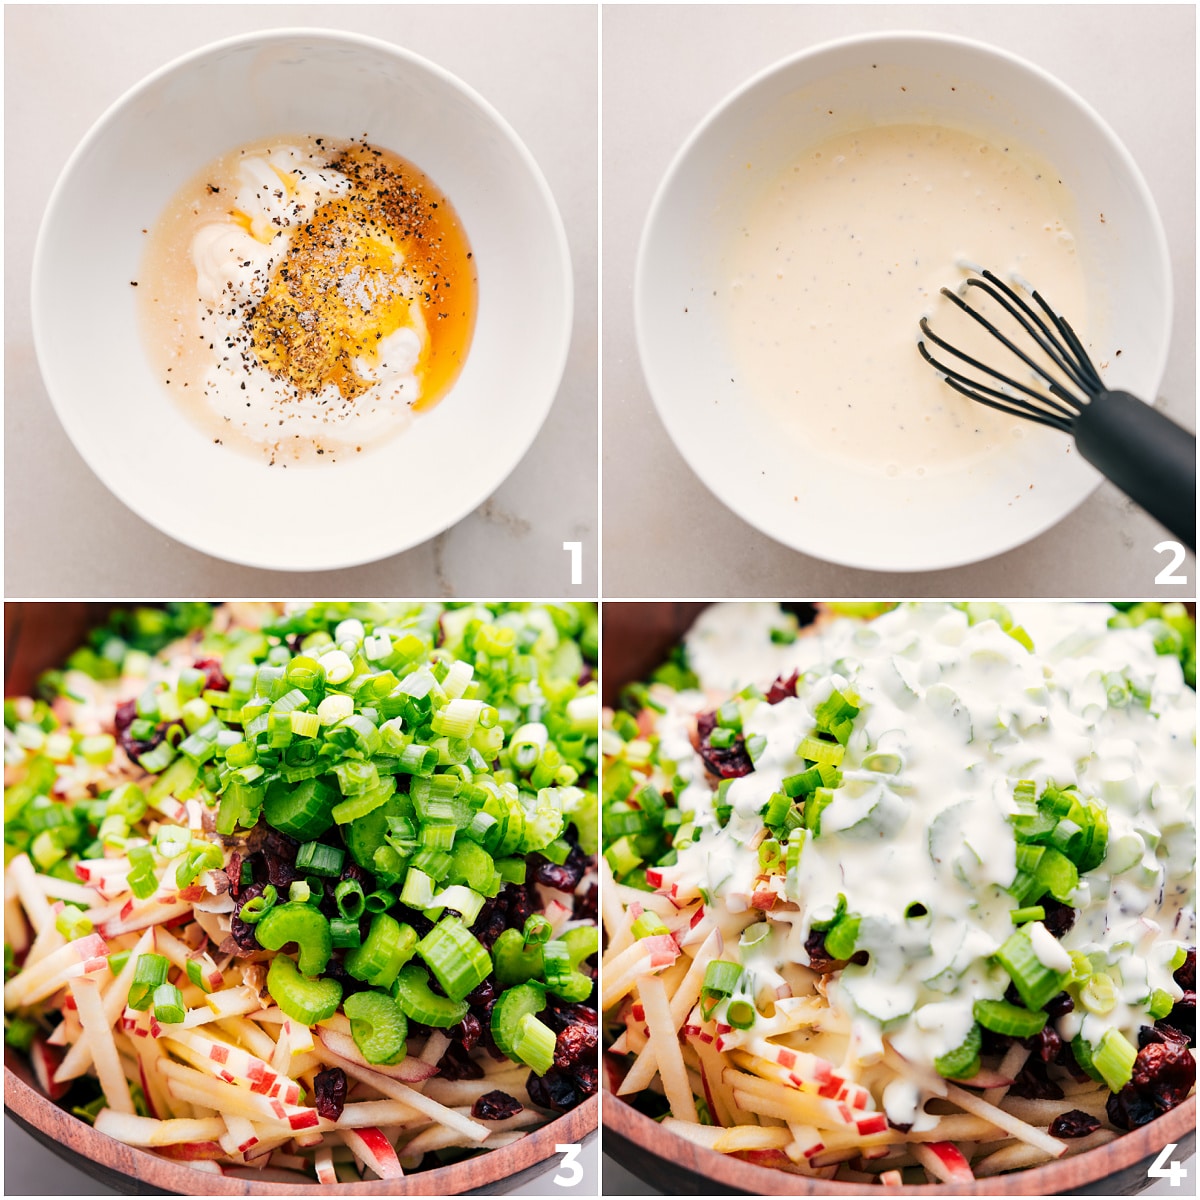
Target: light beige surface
65, 535
665, 68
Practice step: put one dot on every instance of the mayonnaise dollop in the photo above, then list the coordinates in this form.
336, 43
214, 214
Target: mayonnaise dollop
917, 839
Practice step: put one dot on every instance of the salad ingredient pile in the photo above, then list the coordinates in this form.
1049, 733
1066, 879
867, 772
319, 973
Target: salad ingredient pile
309, 891
921, 887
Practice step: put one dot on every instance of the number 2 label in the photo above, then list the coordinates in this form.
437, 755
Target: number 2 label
1167, 574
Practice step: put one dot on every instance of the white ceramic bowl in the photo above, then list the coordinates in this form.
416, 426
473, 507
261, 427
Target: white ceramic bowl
820, 505
117, 412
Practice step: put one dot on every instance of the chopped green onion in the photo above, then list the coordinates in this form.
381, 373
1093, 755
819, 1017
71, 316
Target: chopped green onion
346, 934
741, 1013
841, 938
149, 973
1034, 913
649, 924
1098, 993
72, 923
19, 1033
316, 858
1161, 1003
379, 901
349, 898
168, 1004
258, 906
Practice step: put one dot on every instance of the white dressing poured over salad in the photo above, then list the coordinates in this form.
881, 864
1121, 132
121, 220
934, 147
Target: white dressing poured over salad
960, 835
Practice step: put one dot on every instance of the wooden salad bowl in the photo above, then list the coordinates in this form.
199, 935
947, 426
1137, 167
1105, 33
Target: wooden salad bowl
637, 637
678, 1167
38, 636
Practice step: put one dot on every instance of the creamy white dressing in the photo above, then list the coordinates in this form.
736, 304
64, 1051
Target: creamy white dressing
831, 268
952, 717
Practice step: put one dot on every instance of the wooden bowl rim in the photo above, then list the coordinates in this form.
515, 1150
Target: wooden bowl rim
1051, 1179
27, 1103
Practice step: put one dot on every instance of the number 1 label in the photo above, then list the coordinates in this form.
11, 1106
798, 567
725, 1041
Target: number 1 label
575, 550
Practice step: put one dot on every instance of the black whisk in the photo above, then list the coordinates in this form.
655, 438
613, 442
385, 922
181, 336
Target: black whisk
1150, 458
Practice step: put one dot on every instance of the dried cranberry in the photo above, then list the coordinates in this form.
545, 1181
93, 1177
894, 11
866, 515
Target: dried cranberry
1047, 1045
125, 716
1163, 1074
1059, 917
562, 877
562, 1091
575, 1045
993, 1043
483, 995
561, 1014
329, 1093
1034, 1084
490, 924
587, 906
727, 763
1129, 1109
468, 1032
1182, 1018
234, 873
457, 1064
214, 677
1165, 1071
407, 916
353, 871
818, 958
1158, 1033
523, 902
495, 1106
242, 933
783, 688
1059, 1006
1074, 1124
1185, 975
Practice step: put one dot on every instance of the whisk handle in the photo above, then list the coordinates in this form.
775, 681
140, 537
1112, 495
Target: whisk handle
1150, 458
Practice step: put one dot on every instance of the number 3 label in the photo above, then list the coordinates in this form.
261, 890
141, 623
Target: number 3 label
1167, 574
1160, 1170
571, 1172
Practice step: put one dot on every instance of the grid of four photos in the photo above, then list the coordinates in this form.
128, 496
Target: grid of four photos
602, 601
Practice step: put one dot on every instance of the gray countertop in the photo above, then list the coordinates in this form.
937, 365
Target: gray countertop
32, 1170
665, 68
65, 534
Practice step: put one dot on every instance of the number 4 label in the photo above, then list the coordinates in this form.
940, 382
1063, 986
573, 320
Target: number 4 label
571, 1172
1157, 1170
1167, 574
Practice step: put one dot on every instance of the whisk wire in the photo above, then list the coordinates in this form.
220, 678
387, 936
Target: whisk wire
952, 373
1055, 386
1003, 401
1071, 358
